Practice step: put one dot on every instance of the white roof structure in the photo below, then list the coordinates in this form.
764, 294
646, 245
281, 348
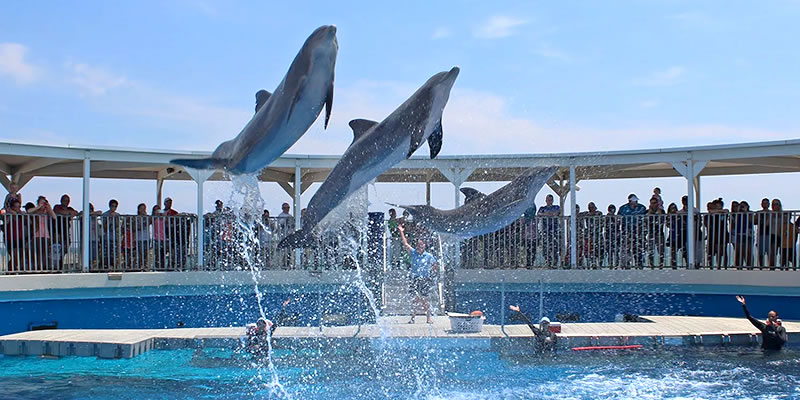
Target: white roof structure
295, 173
20, 162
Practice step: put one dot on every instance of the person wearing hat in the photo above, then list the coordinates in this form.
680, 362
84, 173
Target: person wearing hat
633, 236
546, 340
773, 334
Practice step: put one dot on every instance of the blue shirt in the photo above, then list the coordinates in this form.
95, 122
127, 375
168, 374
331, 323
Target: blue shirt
421, 264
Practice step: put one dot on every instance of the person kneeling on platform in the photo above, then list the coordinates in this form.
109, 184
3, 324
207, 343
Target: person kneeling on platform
546, 340
773, 334
260, 333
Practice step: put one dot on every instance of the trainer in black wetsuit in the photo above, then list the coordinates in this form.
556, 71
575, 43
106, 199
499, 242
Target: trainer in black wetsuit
545, 339
257, 341
773, 335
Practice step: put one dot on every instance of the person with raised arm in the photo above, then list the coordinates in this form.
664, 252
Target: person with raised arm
423, 265
546, 340
773, 334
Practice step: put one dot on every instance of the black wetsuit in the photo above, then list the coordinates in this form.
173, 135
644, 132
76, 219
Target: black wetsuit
542, 344
257, 343
773, 336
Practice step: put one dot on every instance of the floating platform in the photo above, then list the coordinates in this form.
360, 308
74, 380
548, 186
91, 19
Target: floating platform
128, 343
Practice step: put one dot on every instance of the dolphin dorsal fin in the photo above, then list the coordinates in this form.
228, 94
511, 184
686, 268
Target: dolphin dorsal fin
360, 127
471, 194
261, 98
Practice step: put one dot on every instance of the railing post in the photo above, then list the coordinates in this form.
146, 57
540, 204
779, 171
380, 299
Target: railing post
503, 304
85, 218
573, 220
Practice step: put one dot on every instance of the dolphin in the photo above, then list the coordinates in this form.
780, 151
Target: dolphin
281, 118
482, 213
377, 147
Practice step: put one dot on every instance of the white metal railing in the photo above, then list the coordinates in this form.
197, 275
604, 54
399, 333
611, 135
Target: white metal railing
39, 243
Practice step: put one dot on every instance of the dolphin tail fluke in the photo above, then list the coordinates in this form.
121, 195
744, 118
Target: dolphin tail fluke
296, 240
199, 163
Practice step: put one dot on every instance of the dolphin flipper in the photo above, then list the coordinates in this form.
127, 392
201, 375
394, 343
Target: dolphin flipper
298, 239
328, 104
199, 163
435, 140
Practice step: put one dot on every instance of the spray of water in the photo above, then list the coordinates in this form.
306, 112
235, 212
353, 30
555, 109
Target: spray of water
247, 205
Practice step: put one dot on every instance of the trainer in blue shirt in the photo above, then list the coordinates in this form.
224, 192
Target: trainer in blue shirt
422, 266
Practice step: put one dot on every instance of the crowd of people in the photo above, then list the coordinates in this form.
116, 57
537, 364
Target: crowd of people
637, 235
631, 235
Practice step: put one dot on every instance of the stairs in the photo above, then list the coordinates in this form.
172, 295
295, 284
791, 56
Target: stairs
398, 298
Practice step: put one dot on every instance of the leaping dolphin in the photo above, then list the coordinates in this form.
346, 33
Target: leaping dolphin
481, 213
283, 117
377, 147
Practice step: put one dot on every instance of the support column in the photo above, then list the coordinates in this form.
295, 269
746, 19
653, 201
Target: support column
298, 221
697, 195
457, 176
690, 241
200, 176
690, 169
85, 218
573, 220
428, 192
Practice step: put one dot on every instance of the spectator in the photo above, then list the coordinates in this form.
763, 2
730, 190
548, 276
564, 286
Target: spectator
657, 195
63, 233
632, 235
765, 235
111, 228
677, 234
611, 236
93, 248
13, 193
592, 229
16, 224
718, 236
264, 231
42, 222
177, 235
285, 208
742, 234
551, 231
159, 238
285, 220
787, 234
655, 232
698, 228
395, 244
142, 224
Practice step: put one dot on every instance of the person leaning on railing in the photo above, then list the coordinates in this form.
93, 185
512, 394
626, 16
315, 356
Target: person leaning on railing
159, 238
63, 227
42, 222
15, 222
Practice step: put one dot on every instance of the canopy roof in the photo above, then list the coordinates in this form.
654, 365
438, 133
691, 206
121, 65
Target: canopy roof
20, 162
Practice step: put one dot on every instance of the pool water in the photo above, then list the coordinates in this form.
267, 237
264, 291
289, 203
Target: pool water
410, 369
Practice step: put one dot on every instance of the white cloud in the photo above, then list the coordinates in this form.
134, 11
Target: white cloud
669, 76
441, 33
92, 80
14, 65
166, 111
547, 51
498, 26
479, 122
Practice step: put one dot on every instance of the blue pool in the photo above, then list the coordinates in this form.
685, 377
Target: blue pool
417, 369
204, 306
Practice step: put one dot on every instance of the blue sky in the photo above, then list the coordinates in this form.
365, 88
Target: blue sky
536, 76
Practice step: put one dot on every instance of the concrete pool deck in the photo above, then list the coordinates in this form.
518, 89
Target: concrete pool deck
127, 343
